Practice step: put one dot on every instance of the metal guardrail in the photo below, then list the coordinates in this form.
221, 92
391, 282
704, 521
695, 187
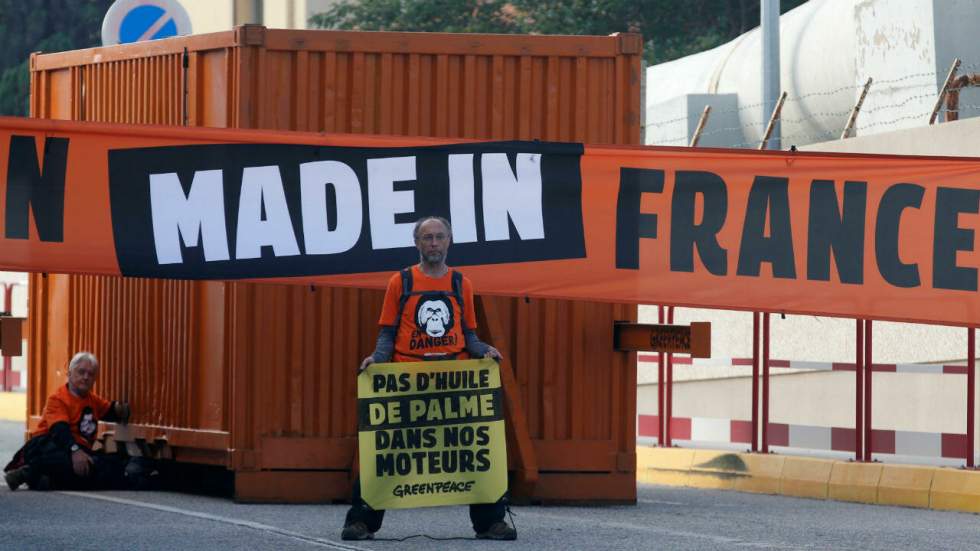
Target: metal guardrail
762, 435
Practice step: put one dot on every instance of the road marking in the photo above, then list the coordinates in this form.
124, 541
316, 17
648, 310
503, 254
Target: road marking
659, 502
218, 518
681, 504
722, 540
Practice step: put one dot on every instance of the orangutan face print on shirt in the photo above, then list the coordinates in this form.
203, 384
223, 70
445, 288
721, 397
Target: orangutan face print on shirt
434, 316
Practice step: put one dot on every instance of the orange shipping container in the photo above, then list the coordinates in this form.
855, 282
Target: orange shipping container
258, 378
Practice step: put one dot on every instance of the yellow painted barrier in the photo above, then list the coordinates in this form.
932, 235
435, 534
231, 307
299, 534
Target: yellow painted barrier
955, 490
805, 477
905, 485
715, 470
668, 466
764, 471
854, 481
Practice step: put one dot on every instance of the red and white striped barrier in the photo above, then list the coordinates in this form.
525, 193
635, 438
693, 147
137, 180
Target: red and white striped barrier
812, 366
841, 439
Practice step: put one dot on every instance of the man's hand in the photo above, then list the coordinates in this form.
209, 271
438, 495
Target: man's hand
80, 462
364, 364
492, 353
122, 412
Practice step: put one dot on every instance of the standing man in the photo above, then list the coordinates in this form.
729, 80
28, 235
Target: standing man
59, 454
428, 314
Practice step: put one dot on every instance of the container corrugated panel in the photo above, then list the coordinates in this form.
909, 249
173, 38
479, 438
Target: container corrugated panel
466, 86
259, 377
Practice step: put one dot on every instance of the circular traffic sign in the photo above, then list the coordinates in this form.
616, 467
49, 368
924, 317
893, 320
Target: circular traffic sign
136, 20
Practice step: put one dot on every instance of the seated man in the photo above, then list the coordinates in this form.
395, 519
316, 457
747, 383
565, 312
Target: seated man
59, 454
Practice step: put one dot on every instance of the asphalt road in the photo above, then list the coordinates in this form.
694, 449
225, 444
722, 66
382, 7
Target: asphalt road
11, 439
664, 518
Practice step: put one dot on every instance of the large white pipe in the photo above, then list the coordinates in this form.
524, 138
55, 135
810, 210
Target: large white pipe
827, 50
817, 56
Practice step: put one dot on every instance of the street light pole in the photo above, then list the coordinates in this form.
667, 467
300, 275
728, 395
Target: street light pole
769, 22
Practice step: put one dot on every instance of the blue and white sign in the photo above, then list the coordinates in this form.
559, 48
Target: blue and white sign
136, 20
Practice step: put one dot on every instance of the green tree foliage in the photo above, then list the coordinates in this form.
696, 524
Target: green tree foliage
41, 25
670, 28
451, 16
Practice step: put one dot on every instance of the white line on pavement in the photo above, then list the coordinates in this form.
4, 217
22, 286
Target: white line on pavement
218, 518
722, 540
659, 502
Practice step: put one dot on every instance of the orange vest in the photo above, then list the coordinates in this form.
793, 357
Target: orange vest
430, 313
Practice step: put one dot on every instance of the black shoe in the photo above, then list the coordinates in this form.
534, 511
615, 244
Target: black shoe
356, 531
498, 531
17, 477
42, 484
140, 475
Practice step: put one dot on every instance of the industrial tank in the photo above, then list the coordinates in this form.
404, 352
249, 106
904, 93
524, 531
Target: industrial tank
828, 50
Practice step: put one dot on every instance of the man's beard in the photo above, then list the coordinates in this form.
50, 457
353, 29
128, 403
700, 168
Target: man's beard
434, 257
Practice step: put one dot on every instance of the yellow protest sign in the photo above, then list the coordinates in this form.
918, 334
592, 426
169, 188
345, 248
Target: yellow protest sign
431, 433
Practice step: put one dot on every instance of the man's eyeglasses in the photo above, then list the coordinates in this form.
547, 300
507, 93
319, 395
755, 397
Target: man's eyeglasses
438, 237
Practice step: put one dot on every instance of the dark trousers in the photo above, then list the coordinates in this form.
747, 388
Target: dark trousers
482, 515
51, 468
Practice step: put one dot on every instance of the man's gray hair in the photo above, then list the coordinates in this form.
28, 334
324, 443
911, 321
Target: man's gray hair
83, 357
424, 219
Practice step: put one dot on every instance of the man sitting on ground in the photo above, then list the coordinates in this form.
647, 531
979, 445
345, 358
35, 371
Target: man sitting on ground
59, 454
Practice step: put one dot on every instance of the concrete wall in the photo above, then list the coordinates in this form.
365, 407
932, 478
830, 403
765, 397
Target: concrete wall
678, 119
952, 139
209, 16
221, 15
902, 401
292, 14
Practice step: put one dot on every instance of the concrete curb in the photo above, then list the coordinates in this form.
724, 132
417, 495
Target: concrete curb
939, 488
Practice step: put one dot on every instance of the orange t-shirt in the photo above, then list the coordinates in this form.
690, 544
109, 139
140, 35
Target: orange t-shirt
430, 323
81, 414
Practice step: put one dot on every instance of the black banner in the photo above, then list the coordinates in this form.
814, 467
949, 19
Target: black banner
252, 211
